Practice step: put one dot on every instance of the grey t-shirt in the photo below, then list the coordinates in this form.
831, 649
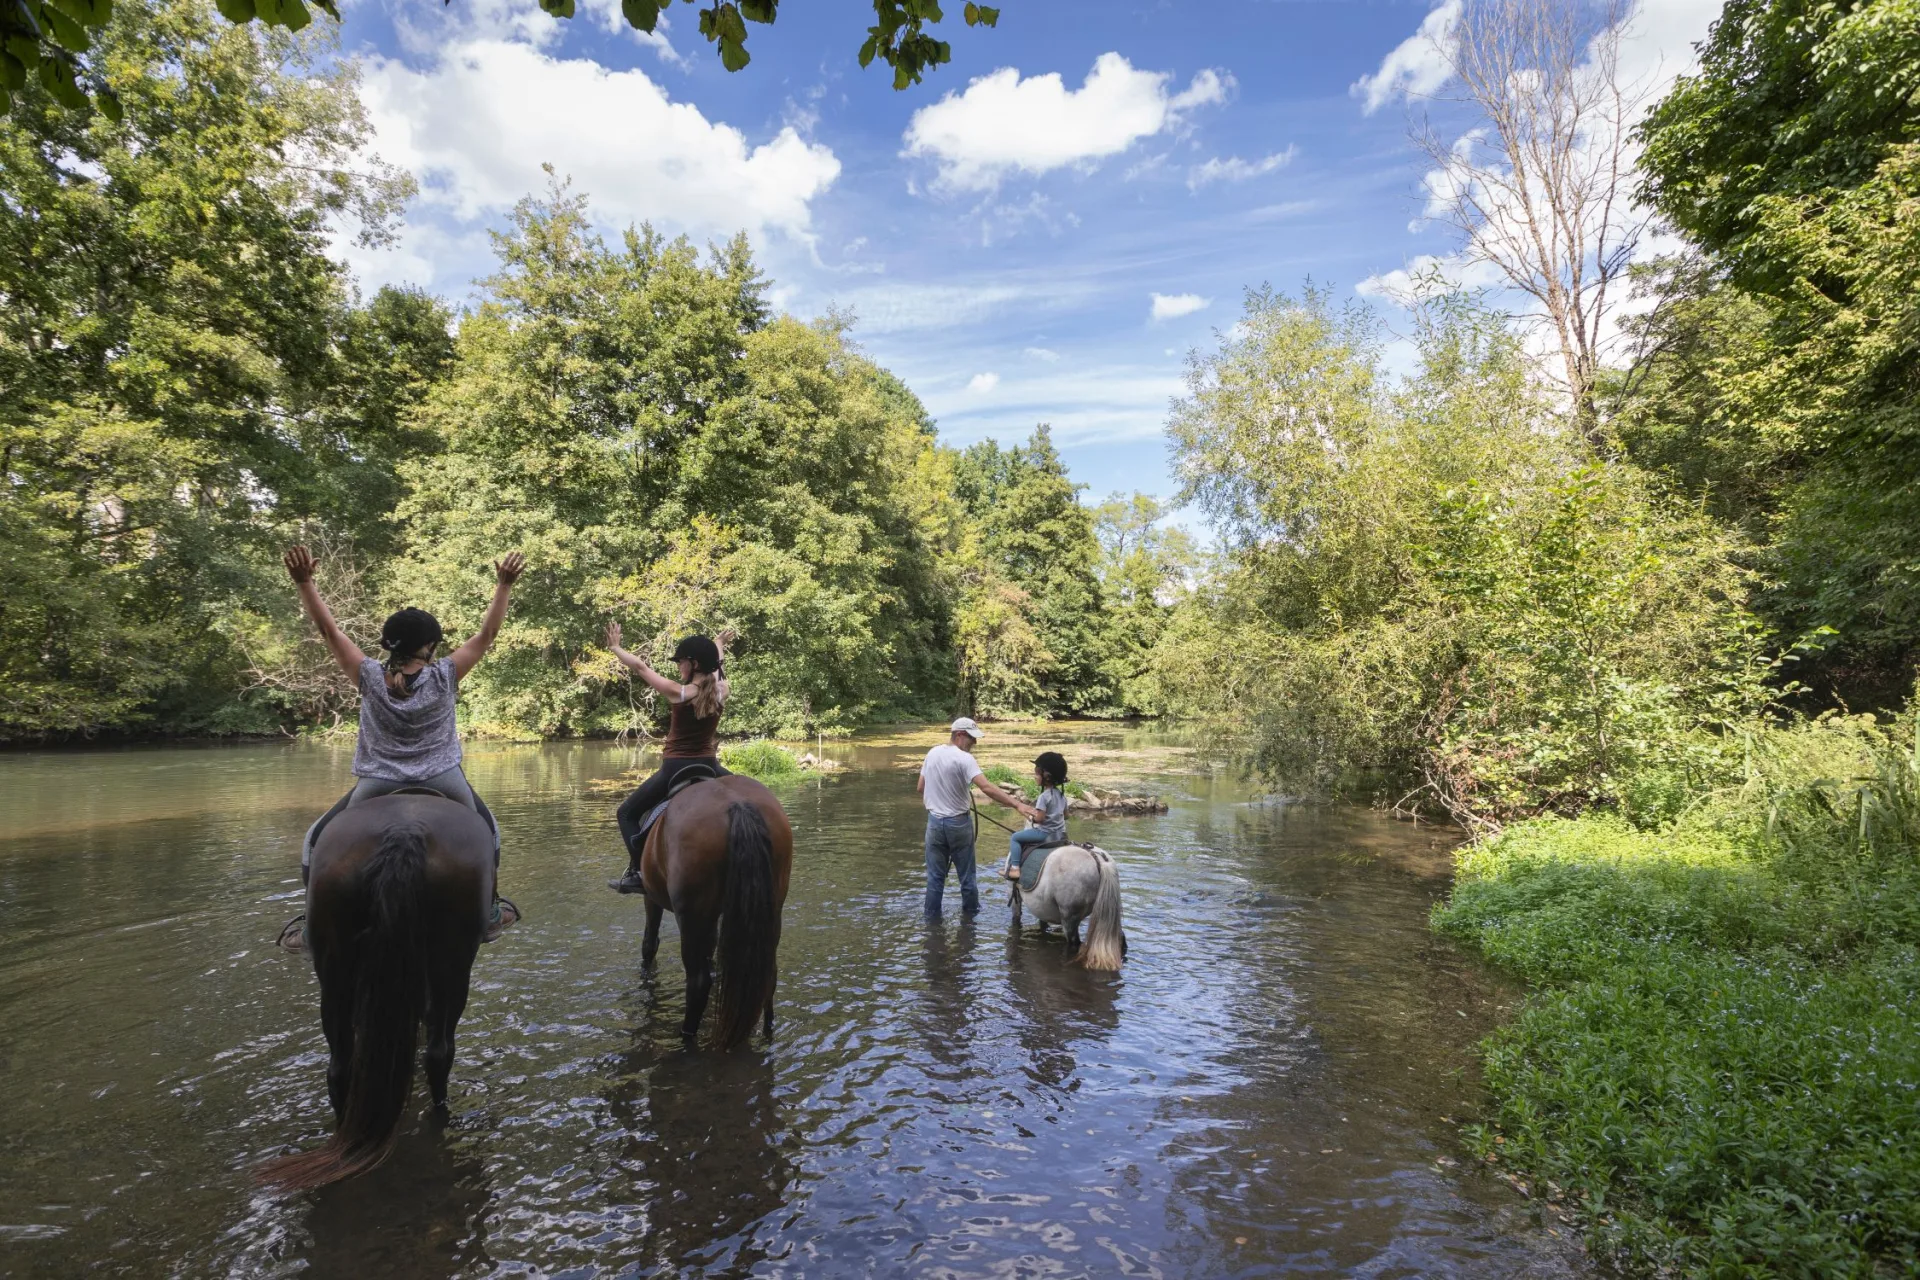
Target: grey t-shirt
407, 739
1053, 813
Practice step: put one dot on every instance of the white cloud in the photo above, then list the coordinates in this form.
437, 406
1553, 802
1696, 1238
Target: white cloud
1041, 353
1417, 66
614, 22
1169, 306
477, 122
1003, 123
1083, 404
1234, 169
981, 383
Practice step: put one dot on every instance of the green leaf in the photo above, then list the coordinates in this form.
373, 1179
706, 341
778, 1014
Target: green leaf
329, 8
758, 10
558, 8
79, 10
732, 28
65, 30
25, 48
240, 11
268, 11
641, 15
6, 102
294, 14
57, 75
733, 54
109, 103
13, 72
988, 17
868, 49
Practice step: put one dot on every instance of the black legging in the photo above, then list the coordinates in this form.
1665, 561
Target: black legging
652, 792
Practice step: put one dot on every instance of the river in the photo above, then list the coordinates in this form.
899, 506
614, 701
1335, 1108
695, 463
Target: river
1273, 1084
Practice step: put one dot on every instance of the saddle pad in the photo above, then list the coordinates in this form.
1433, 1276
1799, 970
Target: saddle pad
1034, 862
685, 779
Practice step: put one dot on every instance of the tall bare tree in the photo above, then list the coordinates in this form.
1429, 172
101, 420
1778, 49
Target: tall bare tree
1540, 191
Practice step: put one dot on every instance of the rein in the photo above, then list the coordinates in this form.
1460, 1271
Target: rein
977, 815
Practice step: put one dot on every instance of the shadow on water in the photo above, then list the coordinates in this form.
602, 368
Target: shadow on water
422, 1213
1270, 1086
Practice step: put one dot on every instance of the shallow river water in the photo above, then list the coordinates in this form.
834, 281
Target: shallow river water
1271, 1086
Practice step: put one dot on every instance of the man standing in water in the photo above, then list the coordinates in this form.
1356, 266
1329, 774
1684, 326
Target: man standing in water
946, 779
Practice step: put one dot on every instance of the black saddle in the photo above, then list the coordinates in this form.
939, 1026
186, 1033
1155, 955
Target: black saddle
681, 781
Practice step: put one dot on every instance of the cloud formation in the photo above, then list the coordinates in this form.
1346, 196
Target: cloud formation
1170, 306
482, 116
1417, 66
1002, 124
1234, 169
981, 383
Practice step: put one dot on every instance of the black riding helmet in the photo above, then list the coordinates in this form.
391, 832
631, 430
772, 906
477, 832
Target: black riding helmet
1053, 767
701, 651
406, 633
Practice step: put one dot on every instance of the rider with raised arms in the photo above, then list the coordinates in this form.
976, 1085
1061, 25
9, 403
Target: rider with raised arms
695, 700
408, 734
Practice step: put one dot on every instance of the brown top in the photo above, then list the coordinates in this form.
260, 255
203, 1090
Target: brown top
690, 737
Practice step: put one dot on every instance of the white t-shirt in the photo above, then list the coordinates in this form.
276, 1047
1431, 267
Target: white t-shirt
949, 772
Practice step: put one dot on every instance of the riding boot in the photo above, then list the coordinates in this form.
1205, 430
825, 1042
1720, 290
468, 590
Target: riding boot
629, 882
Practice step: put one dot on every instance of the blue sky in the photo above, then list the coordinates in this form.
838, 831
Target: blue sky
1020, 249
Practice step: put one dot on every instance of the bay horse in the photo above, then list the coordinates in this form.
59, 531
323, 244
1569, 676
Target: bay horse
399, 895
719, 857
1079, 882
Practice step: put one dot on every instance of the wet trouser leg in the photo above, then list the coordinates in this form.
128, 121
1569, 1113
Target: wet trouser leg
650, 793
950, 844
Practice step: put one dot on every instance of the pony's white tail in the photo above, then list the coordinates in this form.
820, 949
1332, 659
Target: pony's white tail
1106, 941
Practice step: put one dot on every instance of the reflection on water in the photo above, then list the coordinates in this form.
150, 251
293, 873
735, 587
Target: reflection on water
1267, 1086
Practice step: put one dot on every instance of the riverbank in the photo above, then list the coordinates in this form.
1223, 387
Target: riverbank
1719, 1070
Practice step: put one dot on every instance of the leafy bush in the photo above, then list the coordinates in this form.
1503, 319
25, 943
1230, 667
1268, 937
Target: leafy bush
760, 759
1723, 1074
1018, 782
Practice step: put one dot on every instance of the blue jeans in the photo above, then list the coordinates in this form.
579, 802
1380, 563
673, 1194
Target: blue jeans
950, 843
1017, 847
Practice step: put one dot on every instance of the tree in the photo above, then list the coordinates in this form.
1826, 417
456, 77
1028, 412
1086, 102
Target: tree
1790, 157
1030, 533
1541, 195
51, 39
167, 348
1434, 583
667, 454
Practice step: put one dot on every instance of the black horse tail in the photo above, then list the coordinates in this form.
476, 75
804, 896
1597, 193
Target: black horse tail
389, 958
749, 927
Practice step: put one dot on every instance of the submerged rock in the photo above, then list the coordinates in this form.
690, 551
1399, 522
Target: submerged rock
1098, 803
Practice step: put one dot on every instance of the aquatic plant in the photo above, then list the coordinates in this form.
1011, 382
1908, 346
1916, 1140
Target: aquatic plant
760, 759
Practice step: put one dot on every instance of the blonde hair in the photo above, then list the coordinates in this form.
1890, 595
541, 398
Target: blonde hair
706, 694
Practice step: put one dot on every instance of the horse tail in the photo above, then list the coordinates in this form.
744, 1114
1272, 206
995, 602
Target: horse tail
749, 927
389, 998
1106, 941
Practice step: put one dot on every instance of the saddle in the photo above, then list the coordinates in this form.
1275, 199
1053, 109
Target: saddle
682, 780
1034, 862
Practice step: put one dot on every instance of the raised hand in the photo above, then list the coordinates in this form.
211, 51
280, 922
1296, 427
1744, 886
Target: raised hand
299, 562
507, 572
613, 636
727, 637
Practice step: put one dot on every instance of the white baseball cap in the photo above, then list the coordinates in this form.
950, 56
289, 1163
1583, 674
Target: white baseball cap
966, 726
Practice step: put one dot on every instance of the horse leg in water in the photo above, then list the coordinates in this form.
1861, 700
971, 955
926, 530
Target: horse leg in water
697, 937
336, 1020
650, 944
446, 1000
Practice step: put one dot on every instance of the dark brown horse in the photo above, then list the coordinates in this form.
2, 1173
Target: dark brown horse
398, 897
719, 858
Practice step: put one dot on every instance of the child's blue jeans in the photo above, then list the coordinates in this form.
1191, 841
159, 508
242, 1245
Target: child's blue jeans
1017, 847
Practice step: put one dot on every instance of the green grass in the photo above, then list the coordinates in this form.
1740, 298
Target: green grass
1721, 1069
767, 761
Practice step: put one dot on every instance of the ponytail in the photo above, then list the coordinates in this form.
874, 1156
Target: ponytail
705, 694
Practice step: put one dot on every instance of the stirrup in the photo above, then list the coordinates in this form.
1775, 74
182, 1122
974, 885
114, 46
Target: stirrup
505, 916
293, 936
629, 882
